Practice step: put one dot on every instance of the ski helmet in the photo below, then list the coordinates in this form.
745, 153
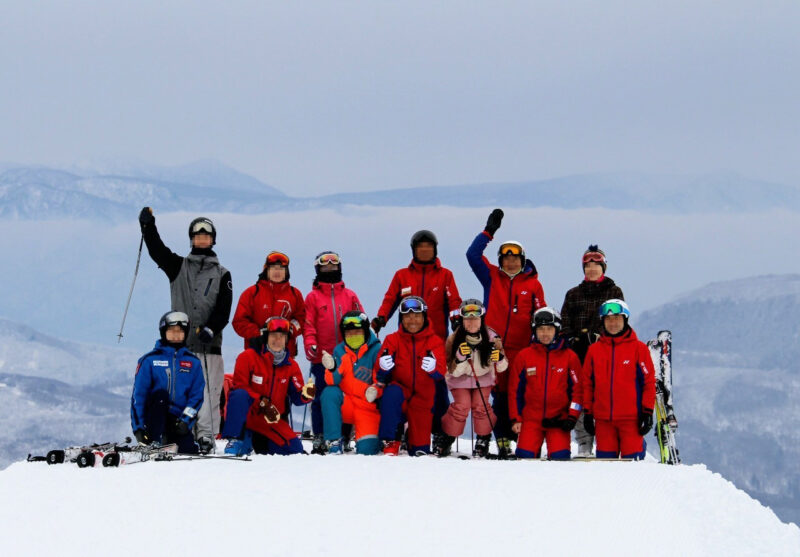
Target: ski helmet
510, 248
547, 316
425, 236
173, 318
278, 258
472, 307
203, 225
596, 255
277, 324
615, 306
353, 320
324, 259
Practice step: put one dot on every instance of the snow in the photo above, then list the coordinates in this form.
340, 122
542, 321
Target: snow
382, 505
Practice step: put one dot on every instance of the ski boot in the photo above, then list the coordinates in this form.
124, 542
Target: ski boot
319, 446
442, 444
240, 447
207, 445
391, 448
504, 451
334, 447
481, 449
585, 450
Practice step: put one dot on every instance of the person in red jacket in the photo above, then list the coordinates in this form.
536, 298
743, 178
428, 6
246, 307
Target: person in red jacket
326, 304
619, 386
271, 295
412, 362
544, 390
263, 379
426, 278
511, 293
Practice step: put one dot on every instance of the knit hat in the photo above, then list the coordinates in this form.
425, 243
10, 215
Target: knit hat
595, 254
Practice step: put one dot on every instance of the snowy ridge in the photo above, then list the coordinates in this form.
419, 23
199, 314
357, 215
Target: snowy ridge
308, 505
742, 290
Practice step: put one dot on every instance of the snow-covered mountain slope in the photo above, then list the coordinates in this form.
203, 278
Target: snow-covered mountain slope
737, 382
349, 505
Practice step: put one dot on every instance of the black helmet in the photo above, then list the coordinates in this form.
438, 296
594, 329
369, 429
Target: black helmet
547, 316
173, 318
324, 259
203, 225
425, 236
355, 320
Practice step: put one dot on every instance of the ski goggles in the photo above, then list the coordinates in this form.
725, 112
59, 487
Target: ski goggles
328, 259
277, 258
277, 325
614, 308
593, 257
176, 318
471, 310
510, 249
202, 227
354, 321
413, 304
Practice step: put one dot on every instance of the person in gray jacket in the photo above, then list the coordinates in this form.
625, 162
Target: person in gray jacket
201, 288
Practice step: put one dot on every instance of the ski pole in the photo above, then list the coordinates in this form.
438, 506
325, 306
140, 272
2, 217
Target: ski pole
128, 303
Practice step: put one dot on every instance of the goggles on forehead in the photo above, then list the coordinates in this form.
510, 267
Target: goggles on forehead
202, 227
413, 305
328, 259
278, 258
593, 257
471, 310
276, 325
510, 249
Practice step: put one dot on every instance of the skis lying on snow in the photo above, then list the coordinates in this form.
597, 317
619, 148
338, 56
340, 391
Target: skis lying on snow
141, 453
666, 423
71, 454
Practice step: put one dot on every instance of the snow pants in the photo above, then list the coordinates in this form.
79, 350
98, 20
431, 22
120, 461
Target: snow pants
440, 405
160, 423
241, 413
208, 416
532, 435
502, 424
465, 400
619, 437
317, 414
338, 408
396, 409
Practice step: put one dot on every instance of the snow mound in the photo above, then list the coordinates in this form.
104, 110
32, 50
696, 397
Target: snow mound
306, 505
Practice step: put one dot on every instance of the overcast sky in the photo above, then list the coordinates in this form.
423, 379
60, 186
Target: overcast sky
332, 96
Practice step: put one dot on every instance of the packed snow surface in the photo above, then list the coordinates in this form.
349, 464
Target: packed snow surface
307, 505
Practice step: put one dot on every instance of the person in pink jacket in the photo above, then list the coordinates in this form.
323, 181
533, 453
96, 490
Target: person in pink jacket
325, 306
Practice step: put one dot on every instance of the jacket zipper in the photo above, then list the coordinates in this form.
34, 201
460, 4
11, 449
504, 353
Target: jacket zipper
546, 375
335, 321
508, 319
611, 387
413, 365
170, 372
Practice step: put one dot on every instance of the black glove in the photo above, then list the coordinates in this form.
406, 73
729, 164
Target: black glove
378, 323
204, 334
568, 423
645, 421
142, 437
146, 218
455, 322
551, 422
493, 223
588, 423
181, 427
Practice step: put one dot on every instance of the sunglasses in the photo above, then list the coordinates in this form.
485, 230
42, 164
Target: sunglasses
510, 249
278, 258
593, 257
276, 325
412, 305
472, 310
328, 259
202, 227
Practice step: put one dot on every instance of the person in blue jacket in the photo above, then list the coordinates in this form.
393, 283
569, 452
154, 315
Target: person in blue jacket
168, 388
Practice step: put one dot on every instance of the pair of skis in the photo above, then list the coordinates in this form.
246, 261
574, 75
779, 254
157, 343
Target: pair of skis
666, 423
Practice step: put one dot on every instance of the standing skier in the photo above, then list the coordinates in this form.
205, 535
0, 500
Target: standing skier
581, 319
544, 391
474, 356
168, 388
264, 378
326, 305
271, 295
350, 395
201, 288
511, 293
412, 361
619, 386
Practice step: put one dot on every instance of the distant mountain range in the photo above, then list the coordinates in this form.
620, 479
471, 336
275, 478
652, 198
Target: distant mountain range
114, 192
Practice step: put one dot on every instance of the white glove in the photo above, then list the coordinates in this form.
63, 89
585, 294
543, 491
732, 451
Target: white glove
428, 364
386, 362
327, 360
371, 393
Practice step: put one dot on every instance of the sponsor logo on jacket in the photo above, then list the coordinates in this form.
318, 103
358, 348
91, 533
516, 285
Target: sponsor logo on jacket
531, 370
186, 365
160, 363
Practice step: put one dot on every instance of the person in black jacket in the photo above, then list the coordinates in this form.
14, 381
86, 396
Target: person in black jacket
581, 323
201, 288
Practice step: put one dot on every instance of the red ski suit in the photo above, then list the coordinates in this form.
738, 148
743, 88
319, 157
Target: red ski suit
267, 299
619, 382
325, 306
431, 282
510, 301
256, 373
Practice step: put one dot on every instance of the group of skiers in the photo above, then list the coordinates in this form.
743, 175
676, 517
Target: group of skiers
525, 371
